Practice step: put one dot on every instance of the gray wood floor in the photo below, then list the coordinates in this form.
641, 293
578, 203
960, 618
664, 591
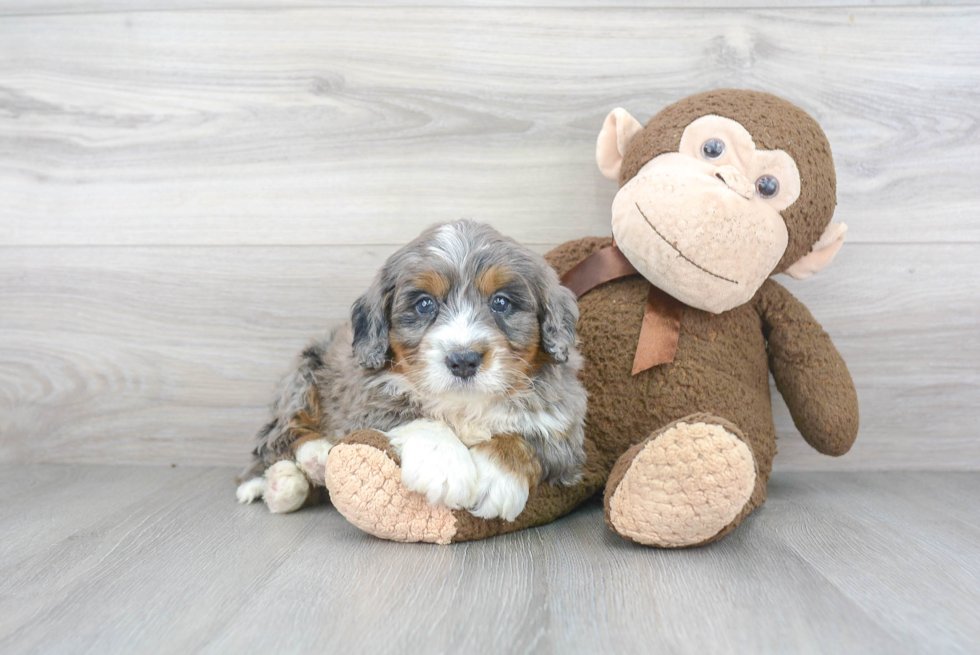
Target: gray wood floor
110, 559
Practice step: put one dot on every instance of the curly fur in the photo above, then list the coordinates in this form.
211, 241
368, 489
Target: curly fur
387, 366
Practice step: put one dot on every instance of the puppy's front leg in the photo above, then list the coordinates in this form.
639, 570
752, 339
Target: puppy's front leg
507, 470
435, 463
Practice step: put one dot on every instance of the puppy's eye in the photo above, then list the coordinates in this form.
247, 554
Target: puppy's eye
767, 186
425, 305
713, 149
500, 304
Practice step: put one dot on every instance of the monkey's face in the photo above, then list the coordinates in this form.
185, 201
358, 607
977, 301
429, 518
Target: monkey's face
704, 223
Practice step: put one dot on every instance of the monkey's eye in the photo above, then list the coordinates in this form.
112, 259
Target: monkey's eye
425, 305
500, 304
767, 186
712, 149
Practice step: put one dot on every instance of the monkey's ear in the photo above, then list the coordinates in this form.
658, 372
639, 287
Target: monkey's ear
617, 131
823, 252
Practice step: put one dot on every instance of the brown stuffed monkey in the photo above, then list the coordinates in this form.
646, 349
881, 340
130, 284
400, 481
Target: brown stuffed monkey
680, 328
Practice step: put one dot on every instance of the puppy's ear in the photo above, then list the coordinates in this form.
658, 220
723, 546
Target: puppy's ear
558, 321
370, 317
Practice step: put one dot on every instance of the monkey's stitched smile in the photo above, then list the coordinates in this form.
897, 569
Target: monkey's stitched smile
677, 250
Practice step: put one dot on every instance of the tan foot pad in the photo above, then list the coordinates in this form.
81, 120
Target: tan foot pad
683, 487
365, 486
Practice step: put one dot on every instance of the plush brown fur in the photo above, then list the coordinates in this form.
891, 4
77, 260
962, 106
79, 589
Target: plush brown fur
720, 372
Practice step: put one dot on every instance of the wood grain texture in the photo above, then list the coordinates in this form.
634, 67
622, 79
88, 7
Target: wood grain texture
163, 355
849, 563
853, 537
358, 126
186, 196
43, 7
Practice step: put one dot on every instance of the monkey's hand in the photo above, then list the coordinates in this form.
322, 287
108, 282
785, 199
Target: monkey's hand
810, 374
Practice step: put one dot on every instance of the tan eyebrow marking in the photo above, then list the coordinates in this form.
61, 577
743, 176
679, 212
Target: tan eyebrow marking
432, 282
492, 279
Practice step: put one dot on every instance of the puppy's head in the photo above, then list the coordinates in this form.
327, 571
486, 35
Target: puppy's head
464, 310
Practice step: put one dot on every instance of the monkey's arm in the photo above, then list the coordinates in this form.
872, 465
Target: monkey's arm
810, 374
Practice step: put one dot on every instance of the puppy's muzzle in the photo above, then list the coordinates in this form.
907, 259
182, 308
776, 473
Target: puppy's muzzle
464, 363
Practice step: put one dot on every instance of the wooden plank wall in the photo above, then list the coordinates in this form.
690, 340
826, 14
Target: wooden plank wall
189, 190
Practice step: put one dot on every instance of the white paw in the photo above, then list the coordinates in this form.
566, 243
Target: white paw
435, 463
250, 490
286, 487
500, 493
312, 459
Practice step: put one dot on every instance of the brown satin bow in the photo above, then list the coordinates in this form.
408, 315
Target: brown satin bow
661, 326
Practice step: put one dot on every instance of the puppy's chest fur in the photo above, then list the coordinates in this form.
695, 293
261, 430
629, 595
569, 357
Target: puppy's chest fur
475, 420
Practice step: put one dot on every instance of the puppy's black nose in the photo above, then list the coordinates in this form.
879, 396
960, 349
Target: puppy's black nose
463, 363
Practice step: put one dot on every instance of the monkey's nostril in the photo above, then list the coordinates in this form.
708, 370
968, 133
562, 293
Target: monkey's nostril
734, 180
464, 363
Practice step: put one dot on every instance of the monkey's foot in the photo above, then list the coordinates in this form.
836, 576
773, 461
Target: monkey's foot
686, 485
364, 479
